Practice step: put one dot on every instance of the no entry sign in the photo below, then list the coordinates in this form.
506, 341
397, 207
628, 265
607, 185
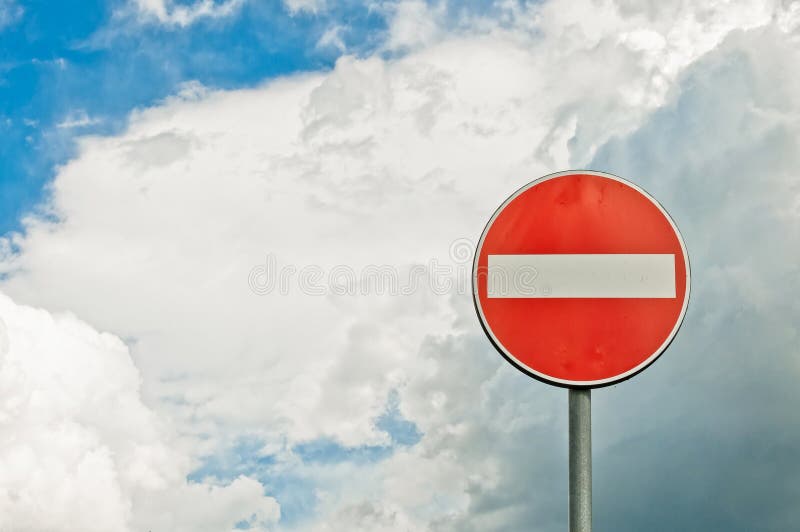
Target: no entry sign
581, 279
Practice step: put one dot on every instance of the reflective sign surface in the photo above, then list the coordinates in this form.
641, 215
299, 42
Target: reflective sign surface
581, 279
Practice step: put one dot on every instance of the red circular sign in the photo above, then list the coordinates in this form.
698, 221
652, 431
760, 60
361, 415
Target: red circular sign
581, 279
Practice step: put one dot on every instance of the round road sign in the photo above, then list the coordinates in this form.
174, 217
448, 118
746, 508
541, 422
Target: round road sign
581, 279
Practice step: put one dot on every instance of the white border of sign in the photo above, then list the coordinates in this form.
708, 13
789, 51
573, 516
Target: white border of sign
554, 380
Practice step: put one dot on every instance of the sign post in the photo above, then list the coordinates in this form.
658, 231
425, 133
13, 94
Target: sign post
581, 280
580, 460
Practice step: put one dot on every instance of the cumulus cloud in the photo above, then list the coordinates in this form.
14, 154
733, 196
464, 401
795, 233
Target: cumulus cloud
154, 234
80, 451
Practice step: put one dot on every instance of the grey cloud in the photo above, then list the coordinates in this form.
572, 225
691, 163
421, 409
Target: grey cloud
724, 159
708, 438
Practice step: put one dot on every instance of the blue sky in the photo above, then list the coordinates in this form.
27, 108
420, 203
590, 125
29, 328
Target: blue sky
85, 65
295, 491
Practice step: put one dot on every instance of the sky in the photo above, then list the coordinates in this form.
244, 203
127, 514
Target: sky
236, 245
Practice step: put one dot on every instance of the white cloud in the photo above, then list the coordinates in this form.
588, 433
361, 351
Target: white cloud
413, 24
78, 448
10, 12
170, 13
388, 162
77, 118
332, 38
309, 6
368, 516
173, 13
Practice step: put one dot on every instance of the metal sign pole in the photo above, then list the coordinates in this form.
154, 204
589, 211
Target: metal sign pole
580, 460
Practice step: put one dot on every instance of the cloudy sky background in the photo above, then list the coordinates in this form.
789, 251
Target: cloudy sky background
159, 156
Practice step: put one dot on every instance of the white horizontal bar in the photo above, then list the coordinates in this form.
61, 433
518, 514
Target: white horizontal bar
576, 275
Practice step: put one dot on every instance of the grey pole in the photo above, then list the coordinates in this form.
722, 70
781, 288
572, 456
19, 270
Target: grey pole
580, 460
